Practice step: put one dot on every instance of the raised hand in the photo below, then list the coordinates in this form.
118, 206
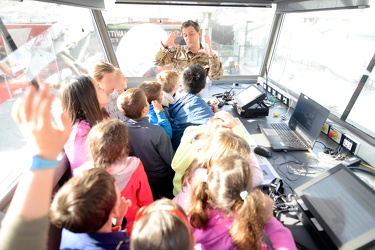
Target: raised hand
207, 46
171, 39
157, 106
32, 113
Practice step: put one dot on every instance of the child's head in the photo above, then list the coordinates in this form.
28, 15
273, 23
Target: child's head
86, 202
122, 81
105, 74
82, 99
108, 141
152, 90
168, 80
213, 124
162, 225
220, 144
133, 103
228, 188
193, 79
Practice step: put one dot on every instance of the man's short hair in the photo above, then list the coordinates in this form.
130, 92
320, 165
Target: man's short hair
131, 102
168, 80
84, 203
193, 79
189, 23
152, 90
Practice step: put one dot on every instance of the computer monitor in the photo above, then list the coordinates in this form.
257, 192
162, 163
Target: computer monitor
249, 97
308, 119
341, 208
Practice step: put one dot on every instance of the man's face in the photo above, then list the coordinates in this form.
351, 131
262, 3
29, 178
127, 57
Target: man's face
191, 36
109, 82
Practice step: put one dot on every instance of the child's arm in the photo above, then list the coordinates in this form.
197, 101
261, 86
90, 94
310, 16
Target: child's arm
162, 118
27, 216
279, 235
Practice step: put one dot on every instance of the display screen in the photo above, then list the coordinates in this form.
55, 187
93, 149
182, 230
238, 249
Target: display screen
248, 95
344, 206
309, 116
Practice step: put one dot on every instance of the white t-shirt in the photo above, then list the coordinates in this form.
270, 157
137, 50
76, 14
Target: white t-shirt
111, 107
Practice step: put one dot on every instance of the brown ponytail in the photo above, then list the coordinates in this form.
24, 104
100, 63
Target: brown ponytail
247, 226
198, 204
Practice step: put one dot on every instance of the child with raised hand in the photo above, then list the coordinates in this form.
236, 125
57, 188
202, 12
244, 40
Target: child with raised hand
149, 142
169, 82
25, 225
163, 225
156, 114
85, 207
108, 143
227, 213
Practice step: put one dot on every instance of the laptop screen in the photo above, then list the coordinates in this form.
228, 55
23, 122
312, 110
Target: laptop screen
308, 118
343, 205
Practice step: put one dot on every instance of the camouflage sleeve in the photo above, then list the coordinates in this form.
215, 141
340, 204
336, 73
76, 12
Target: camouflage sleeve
163, 57
216, 68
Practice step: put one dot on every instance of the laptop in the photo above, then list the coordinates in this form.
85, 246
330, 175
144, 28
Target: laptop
337, 208
302, 130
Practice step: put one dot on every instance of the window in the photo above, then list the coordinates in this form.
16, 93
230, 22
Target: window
324, 55
52, 43
238, 35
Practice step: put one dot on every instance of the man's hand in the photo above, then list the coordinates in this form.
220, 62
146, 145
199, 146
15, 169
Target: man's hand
171, 39
207, 46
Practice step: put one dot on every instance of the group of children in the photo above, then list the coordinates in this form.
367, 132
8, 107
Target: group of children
125, 166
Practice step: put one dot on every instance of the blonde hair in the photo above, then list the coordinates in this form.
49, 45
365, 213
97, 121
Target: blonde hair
168, 80
229, 189
101, 68
131, 103
162, 225
119, 72
221, 144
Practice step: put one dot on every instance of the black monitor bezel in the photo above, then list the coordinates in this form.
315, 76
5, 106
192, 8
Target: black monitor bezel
260, 97
355, 243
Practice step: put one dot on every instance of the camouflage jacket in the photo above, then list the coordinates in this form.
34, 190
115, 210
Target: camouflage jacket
182, 58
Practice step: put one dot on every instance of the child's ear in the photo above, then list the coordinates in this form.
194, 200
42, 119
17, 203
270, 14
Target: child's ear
145, 111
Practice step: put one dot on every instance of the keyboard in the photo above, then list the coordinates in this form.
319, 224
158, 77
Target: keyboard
289, 138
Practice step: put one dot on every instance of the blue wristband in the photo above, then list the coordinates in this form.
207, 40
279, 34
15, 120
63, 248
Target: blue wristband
41, 163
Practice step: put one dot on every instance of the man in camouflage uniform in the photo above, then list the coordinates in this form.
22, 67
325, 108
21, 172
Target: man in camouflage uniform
193, 52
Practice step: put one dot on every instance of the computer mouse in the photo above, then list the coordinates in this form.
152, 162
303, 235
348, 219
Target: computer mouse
263, 151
